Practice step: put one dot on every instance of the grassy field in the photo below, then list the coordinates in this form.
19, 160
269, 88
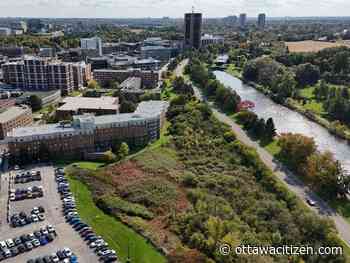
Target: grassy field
89, 165
273, 148
120, 237
234, 71
312, 46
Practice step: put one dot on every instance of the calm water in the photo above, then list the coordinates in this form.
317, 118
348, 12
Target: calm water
287, 120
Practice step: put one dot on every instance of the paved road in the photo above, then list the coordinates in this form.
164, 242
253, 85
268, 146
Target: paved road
290, 180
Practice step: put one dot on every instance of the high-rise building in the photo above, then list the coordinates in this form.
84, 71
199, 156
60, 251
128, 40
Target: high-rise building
242, 20
35, 73
193, 30
261, 21
92, 43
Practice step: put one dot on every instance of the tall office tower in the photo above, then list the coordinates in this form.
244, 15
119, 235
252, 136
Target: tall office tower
92, 43
193, 30
261, 21
242, 20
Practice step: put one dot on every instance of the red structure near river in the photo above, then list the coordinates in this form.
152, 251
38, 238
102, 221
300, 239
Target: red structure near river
246, 105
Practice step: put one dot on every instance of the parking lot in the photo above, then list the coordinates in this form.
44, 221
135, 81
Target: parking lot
51, 202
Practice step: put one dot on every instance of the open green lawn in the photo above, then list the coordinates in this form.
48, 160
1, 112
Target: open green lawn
113, 231
273, 148
234, 71
89, 165
307, 93
314, 106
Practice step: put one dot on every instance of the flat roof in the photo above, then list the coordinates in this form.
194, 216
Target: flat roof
76, 103
12, 113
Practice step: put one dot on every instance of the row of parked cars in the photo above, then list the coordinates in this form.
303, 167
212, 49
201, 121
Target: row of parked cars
26, 177
27, 193
27, 242
94, 241
22, 219
64, 255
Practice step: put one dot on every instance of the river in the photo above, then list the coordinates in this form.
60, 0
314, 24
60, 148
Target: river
287, 120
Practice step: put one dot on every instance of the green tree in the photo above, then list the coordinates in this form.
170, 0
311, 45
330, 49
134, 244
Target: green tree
307, 74
93, 84
295, 149
123, 151
35, 102
270, 129
127, 107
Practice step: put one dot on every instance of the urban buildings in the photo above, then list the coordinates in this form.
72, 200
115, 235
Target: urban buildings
242, 21
98, 62
156, 52
150, 79
12, 52
210, 40
261, 21
14, 117
5, 31
34, 73
193, 30
87, 133
6, 103
92, 43
71, 106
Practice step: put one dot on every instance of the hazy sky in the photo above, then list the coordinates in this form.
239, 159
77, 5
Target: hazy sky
172, 8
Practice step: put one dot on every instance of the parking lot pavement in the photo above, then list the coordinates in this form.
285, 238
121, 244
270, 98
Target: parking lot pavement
52, 204
3, 200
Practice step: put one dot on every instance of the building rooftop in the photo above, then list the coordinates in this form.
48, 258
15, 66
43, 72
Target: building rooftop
144, 111
76, 103
12, 113
132, 83
146, 61
207, 36
147, 48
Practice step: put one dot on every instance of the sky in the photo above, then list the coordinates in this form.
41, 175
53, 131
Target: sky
171, 8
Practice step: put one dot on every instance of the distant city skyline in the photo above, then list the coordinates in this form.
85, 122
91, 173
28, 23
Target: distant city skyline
160, 8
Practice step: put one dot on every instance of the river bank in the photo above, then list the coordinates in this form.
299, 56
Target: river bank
332, 129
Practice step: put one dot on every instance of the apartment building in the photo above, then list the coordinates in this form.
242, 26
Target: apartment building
150, 79
14, 117
36, 73
88, 133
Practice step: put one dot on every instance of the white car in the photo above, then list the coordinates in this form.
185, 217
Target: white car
44, 231
35, 218
12, 197
35, 210
67, 252
3, 245
54, 258
10, 243
92, 245
16, 167
50, 229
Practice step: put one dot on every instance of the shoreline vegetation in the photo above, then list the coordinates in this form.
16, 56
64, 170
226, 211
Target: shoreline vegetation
295, 107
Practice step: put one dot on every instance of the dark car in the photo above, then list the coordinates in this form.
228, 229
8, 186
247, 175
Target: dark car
17, 241
43, 241
14, 251
50, 237
29, 246
39, 260
60, 255
47, 259
21, 248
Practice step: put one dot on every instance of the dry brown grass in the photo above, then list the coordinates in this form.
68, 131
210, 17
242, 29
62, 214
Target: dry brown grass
313, 46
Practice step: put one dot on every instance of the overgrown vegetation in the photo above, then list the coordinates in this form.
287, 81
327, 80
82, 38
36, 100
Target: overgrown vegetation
208, 189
